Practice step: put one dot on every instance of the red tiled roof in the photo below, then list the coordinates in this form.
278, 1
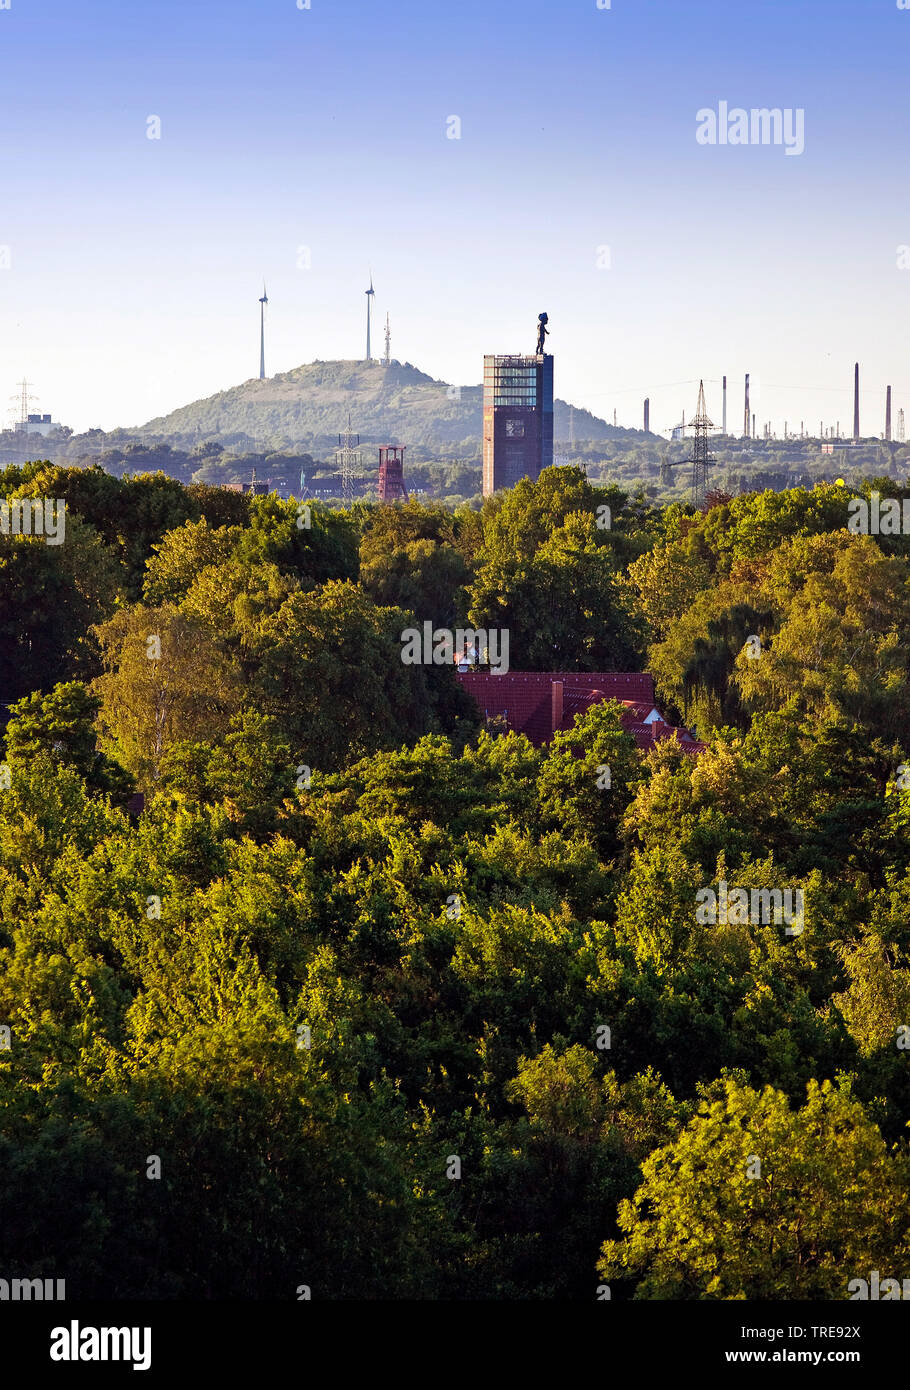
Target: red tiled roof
614, 685
641, 708
525, 700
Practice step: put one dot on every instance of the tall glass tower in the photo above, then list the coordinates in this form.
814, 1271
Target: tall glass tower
517, 419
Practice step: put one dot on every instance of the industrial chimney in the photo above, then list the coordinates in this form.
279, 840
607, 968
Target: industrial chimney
725, 406
747, 422
888, 415
856, 402
648, 414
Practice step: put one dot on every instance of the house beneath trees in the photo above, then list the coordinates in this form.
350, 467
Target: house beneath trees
541, 703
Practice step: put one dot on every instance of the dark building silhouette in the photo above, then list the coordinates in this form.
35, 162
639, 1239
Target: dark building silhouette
517, 419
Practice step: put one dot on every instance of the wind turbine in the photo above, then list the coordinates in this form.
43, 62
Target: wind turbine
369, 294
262, 303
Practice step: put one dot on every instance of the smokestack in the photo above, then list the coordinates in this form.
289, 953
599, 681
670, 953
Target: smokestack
725, 405
753, 425
856, 402
747, 419
888, 415
555, 706
648, 414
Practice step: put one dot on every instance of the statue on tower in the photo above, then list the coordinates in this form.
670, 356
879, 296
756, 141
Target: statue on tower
542, 331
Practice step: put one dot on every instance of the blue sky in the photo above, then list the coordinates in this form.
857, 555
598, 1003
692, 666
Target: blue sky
136, 264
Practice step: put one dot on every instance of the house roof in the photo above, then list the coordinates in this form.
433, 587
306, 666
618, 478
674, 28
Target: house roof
525, 699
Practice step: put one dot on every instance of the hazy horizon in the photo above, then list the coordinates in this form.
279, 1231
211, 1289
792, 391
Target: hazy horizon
136, 264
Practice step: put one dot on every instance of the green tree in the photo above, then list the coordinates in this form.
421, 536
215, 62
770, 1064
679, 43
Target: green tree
62, 724
49, 596
589, 775
164, 680
409, 559
249, 772
758, 1201
331, 674
181, 554
549, 574
841, 647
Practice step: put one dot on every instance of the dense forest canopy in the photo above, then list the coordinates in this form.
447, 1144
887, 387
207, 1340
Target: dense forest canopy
402, 1005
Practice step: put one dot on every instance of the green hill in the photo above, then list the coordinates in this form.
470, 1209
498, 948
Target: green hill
309, 406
